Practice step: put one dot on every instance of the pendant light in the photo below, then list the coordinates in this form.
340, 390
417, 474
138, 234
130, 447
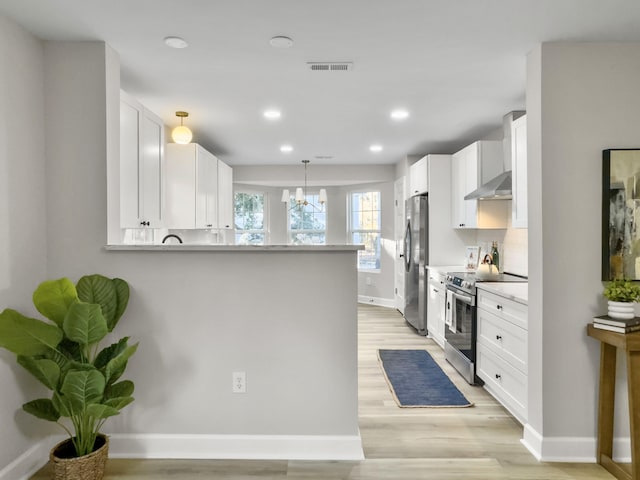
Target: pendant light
301, 192
182, 134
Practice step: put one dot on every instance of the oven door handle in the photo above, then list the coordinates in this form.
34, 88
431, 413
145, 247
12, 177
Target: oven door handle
465, 298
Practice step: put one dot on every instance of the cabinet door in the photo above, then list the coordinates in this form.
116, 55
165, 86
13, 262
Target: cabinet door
206, 189
225, 196
152, 154
418, 177
519, 172
458, 181
130, 205
471, 177
141, 166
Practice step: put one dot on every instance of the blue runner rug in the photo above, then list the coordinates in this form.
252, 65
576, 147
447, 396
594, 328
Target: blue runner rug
416, 380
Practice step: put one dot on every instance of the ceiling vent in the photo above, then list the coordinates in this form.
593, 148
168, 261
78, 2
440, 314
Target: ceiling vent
330, 66
323, 157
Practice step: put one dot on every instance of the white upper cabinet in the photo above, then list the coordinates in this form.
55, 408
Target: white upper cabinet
418, 177
192, 187
141, 166
471, 167
225, 196
519, 172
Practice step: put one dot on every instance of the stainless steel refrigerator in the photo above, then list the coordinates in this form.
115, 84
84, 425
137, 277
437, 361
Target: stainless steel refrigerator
416, 257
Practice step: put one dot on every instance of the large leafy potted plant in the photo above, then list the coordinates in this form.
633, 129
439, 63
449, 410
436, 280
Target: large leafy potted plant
65, 356
621, 295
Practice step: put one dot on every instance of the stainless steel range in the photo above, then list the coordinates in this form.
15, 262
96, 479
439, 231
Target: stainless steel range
460, 321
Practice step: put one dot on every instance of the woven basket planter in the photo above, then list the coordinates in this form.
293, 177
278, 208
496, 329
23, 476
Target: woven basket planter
87, 467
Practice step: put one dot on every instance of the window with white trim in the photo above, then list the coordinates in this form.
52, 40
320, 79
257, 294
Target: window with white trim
307, 221
364, 227
250, 218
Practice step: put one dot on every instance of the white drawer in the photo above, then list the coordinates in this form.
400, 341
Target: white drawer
509, 310
504, 338
504, 382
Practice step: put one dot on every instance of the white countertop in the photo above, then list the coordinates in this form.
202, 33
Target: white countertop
517, 291
447, 268
190, 247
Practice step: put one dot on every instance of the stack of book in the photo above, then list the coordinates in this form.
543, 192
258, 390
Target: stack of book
605, 322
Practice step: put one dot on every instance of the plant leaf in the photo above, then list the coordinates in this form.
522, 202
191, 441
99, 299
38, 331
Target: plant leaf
120, 389
82, 388
42, 408
119, 402
98, 410
101, 290
45, 370
116, 366
53, 298
61, 404
122, 292
85, 324
110, 352
27, 336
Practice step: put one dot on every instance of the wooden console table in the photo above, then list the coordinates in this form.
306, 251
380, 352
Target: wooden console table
630, 343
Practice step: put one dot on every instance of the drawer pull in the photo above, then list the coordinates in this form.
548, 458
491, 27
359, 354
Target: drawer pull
499, 307
498, 376
498, 337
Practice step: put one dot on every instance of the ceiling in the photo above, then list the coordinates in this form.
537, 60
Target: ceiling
456, 66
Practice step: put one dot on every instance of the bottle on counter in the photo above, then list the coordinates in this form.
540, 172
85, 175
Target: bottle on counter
495, 256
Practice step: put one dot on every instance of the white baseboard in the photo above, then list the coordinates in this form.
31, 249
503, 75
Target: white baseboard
571, 449
380, 302
256, 447
29, 462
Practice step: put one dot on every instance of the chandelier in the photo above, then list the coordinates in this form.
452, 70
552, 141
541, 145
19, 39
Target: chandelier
301, 193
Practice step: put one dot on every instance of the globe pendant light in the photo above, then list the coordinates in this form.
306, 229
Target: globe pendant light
182, 134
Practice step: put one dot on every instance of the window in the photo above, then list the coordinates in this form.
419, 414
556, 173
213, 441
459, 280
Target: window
365, 228
249, 218
307, 223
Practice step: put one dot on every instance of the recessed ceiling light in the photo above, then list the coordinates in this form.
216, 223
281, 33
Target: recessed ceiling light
375, 148
286, 148
399, 114
281, 42
272, 114
175, 42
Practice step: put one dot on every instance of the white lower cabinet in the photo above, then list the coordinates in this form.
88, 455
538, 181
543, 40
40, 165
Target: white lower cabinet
502, 353
436, 300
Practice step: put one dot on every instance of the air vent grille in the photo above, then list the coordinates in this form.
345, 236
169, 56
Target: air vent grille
330, 66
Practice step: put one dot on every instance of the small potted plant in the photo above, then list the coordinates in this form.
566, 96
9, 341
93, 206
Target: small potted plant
621, 295
65, 356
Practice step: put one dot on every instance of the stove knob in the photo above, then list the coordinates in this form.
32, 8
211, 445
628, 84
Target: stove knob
466, 284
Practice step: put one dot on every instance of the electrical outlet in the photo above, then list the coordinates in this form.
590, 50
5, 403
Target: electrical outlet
239, 382
368, 280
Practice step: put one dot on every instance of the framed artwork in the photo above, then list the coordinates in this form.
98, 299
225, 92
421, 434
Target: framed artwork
472, 257
620, 214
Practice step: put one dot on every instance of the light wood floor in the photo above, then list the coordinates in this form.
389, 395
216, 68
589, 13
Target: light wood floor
480, 442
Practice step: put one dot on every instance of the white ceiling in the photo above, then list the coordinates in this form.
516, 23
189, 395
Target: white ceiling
457, 65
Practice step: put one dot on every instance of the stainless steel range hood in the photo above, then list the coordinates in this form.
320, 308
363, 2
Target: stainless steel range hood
498, 188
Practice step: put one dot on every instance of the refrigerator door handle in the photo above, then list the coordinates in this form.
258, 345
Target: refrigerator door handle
407, 247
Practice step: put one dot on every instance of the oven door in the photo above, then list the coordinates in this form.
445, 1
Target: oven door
460, 322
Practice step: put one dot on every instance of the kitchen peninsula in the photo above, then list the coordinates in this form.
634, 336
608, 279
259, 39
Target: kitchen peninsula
285, 315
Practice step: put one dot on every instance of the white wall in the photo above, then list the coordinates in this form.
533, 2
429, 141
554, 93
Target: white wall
581, 99
22, 219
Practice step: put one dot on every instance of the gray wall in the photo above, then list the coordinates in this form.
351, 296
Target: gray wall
191, 338
22, 219
581, 99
